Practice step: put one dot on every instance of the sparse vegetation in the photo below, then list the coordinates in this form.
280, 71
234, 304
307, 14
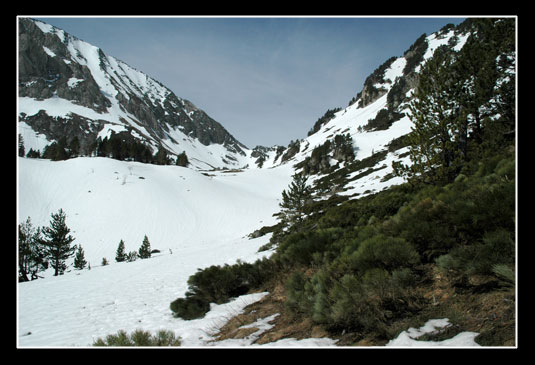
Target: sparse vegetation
139, 338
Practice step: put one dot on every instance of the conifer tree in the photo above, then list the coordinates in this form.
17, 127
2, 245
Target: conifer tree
79, 258
74, 147
439, 133
57, 242
145, 250
21, 146
459, 95
120, 254
161, 156
182, 160
295, 199
32, 258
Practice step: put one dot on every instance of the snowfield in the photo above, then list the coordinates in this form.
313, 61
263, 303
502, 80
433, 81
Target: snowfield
108, 200
193, 219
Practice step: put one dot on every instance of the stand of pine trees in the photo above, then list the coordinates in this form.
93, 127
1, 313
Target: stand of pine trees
43, 247
464, 104
40, 248
118, 146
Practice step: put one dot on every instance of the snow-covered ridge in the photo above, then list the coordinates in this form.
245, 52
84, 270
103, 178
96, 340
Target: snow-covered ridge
126, 77
352, 120
107, 93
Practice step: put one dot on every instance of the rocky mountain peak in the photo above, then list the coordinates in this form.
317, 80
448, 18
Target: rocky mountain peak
68, 87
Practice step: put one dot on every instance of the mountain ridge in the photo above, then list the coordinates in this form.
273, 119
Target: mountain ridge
376, 120
64, 79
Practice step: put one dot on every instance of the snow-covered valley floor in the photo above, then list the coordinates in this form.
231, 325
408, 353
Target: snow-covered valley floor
194, 219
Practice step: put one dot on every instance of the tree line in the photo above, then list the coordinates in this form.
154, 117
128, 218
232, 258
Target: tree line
116, 146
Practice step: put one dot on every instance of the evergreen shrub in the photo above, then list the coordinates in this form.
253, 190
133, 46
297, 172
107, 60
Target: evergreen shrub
189, 307
300, 247
496, 248
384, 252
218, 284
139, 338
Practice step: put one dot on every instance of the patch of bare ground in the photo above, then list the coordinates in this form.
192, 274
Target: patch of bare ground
285, 325
478, 304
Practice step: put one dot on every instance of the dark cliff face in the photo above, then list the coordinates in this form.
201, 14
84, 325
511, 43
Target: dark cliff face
42, 76
54, 64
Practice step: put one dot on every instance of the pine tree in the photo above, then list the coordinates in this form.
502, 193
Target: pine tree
295, 199
57, 242
21, 146
145, 250
32, 258
33, 154
438, 136
120, 255
79, 258
460, 99
182, 160
74, 147
161, 156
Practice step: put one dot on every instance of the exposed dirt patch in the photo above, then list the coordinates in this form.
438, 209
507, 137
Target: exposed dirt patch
479, 304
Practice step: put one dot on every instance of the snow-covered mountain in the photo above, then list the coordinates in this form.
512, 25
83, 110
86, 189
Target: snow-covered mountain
376, 119
68, 87
195, 218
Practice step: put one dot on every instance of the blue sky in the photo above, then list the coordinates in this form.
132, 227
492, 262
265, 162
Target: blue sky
265, 79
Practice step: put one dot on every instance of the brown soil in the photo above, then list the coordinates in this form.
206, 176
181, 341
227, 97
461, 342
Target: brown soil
480, 304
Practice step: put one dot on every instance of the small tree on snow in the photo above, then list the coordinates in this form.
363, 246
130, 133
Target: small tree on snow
145, 250
32, 258
120, 254
182, 160
79, 258
132, 256
57, 242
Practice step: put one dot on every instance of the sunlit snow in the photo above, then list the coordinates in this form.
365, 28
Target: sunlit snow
194, 218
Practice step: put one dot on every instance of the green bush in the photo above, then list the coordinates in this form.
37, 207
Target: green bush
299, 248
425, 225
352, 308
384, 252
296, 299
189, 308
139, 338
496, 248
217, 284
505, 273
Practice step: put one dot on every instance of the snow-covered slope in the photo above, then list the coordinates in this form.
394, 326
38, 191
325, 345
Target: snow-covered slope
193, 219
391, 93
108, 200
